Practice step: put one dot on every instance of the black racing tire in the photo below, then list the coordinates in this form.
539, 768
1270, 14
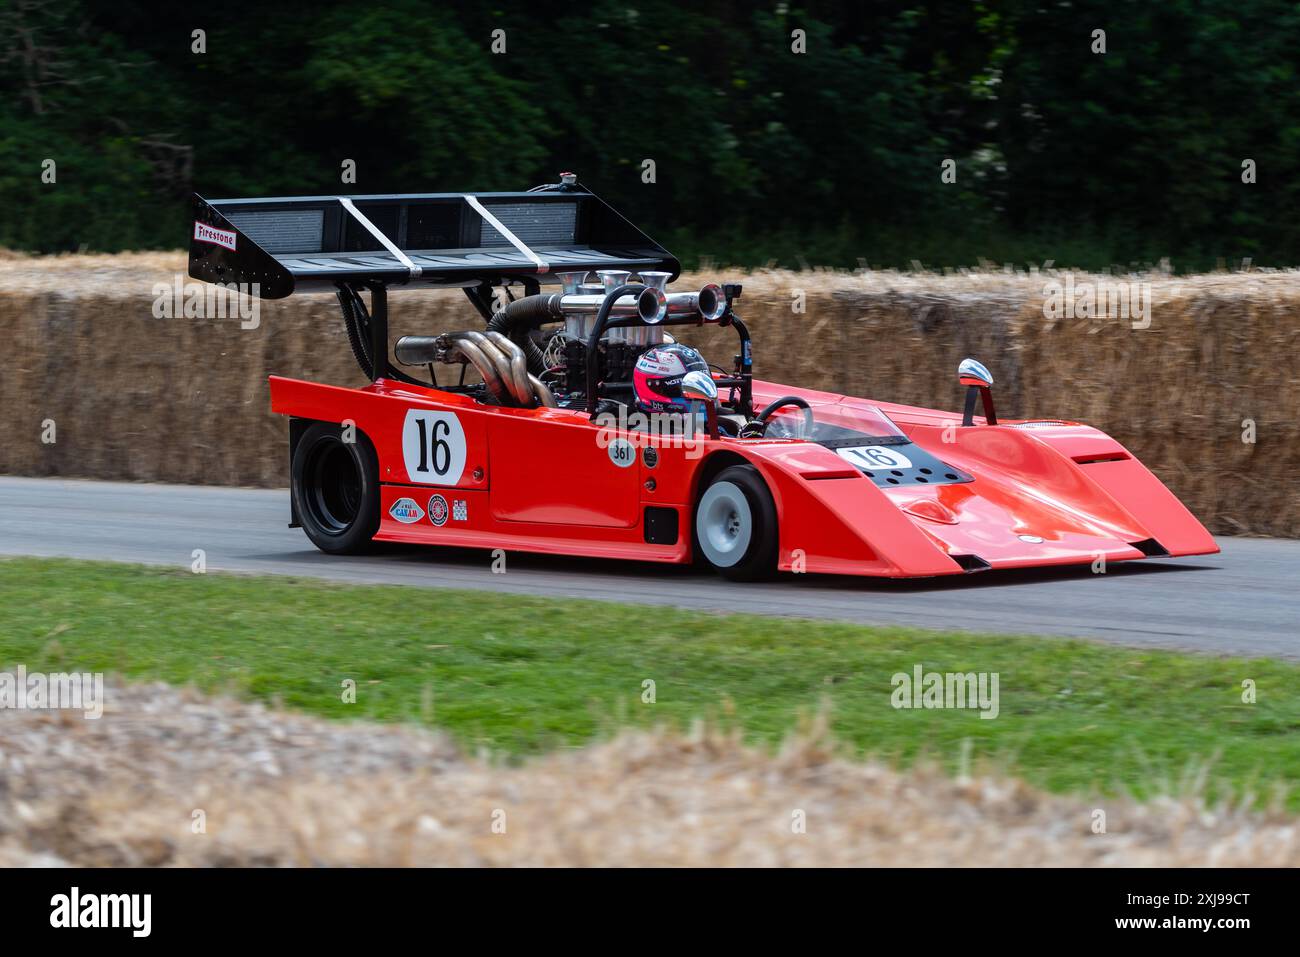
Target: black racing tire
335, 489
734, 527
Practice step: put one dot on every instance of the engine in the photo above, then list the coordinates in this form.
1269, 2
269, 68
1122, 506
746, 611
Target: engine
578, 347
619, 347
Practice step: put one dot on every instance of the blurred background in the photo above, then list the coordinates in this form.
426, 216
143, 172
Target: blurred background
831, 157
704, 125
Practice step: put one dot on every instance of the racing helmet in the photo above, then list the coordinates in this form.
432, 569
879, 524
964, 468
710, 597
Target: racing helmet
657, 377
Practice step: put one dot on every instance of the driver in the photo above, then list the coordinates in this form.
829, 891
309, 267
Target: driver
657, 380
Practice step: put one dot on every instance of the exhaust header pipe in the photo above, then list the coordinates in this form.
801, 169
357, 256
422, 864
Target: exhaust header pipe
500, 374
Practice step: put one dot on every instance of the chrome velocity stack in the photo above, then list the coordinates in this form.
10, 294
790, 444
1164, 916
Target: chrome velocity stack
653, 335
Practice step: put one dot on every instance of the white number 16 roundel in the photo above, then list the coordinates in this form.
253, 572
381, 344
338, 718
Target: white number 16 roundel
433, 447
875, 457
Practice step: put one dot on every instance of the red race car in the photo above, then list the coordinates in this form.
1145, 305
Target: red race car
585, 429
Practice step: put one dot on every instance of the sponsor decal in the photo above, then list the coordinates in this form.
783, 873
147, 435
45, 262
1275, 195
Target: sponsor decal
661, 364
406, 511
218, 237
460, 510
438, 510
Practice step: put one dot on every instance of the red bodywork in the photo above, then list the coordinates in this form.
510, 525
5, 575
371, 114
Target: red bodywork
539, 480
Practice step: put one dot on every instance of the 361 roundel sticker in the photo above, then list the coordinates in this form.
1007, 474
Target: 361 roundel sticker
621, 452
433, 447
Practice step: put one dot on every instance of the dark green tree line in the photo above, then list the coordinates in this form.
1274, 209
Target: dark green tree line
828, 156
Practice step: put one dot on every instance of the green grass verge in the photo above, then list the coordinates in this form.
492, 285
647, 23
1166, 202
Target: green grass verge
520, 675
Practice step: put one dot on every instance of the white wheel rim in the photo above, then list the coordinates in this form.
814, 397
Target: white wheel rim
724, 524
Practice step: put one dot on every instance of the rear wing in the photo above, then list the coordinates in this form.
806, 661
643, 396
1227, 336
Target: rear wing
319, 243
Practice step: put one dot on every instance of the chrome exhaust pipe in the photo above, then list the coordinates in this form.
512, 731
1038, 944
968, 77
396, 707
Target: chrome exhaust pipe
517, 367
544, 394
501, 363
526, 384
419, 350
463, 343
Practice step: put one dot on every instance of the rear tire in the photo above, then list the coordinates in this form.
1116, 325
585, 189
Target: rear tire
335, 489
735, 527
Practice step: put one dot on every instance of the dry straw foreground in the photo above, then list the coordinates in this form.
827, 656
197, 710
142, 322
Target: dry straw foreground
183, 400
280, 789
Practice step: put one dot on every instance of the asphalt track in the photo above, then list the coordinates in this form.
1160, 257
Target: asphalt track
1245, 601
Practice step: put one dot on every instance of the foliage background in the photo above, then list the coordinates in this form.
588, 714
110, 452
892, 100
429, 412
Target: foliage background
831, 157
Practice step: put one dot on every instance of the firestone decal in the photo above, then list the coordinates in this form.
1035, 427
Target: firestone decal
218, 237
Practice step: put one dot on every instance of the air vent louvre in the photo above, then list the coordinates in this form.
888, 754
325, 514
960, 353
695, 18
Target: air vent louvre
1150, 548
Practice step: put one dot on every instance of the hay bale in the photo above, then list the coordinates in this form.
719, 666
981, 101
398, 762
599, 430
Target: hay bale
186, 400
282, 789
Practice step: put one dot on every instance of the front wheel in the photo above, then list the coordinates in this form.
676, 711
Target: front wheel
335, 489
735, 525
